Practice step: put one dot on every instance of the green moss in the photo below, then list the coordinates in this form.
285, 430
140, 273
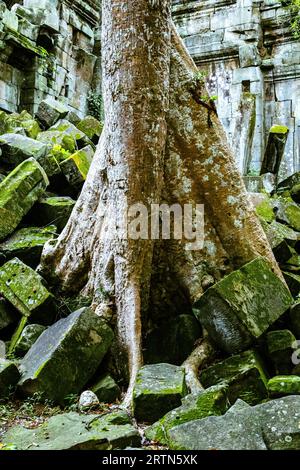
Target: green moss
284, 385
211, 402
265, 211
279, 129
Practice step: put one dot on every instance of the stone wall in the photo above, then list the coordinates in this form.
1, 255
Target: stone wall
253, 65
49, 48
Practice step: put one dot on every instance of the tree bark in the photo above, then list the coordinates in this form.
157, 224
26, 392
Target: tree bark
152, 152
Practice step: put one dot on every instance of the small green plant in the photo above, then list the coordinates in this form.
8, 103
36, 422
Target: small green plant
71, 402
293, 6
59, 153
95, 105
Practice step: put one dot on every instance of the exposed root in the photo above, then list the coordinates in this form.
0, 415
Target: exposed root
201, 356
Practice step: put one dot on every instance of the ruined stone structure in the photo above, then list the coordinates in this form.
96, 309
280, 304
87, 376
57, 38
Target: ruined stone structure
52, 48
49, 48
253, 64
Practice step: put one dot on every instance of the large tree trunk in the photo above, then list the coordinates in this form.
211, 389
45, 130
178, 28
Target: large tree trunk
147, 155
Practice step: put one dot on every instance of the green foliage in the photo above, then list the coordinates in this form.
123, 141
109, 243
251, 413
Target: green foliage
59, 153
95, 106
293, 6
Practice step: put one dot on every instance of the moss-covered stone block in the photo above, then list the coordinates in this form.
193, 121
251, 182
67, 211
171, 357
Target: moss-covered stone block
18, 193
278, 233
284, 385
24, 289
50, 111
67, 128
28, 337
281, 345
106, 389
16, 148
244, 374
241, 307
265, 210
74, 431
287, 212
9, 376
52, 138
52, 210
76, 167
91, 127
159, 388
210, 402
66, 356
27, 244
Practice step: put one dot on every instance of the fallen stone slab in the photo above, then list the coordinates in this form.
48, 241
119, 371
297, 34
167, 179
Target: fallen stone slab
76, 167
270, 426
24, 289
52, 210
287, 212
52, 138
159, 388
50, 111
281, 345
18, 193
16, 148
27, 244
210, 402
284, 385
243, 373
69, 129
240, 308
9, 376
66, 356
106, 389
91, 127
28, 337
74, 431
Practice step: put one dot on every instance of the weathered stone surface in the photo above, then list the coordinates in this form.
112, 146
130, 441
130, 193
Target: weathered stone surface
50, 111
106, 389
77, 166
210, 402
88, 400
9, 376
243, 373
27, 244
16, 148
281, 345
173, 341
24, 289
159, 388
91, 127
273, 425
52, 210
265, 210
278, 233
18, 192
73, 431
284, 385
287, 212
240, 308
52, 138
28, 337
67, 128
66, 356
